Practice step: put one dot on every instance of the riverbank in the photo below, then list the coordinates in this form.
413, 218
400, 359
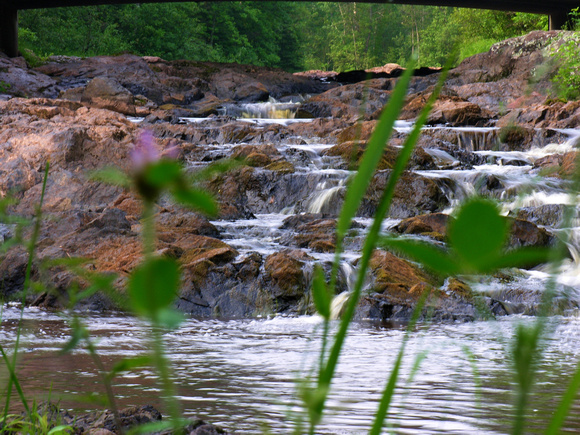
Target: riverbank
278, 208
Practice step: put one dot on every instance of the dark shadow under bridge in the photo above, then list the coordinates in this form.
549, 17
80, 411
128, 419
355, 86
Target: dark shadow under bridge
557, 10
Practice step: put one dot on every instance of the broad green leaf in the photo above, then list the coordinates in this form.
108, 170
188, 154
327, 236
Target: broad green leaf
432, 257
478, 234
523, 258
320, 294
170, 318
153, 286
163, 173
196, 199
99, 282
214, 169
112, 176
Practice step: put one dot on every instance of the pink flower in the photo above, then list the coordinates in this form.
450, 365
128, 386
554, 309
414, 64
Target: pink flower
145, 151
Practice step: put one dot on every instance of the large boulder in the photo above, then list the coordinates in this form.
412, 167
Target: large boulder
414, 195
16, 79
348, 102
107, 93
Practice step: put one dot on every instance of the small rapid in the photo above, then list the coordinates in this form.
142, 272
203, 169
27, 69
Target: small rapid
490, 169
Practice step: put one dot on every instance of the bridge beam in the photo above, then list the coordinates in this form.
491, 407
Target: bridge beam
558, 19
9, 30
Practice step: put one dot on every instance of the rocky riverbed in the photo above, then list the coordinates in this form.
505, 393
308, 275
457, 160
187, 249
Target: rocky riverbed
84, 114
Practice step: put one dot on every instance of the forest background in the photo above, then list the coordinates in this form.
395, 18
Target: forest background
294, 36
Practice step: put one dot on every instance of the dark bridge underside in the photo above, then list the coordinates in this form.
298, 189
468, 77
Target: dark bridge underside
556, 9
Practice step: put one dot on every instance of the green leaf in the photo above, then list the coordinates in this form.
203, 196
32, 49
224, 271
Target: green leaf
526, 257
153, 286
432, 257
478, 234
170, 318
196, 199
214, 169
320, 293
59, 430
163, 173
112, 176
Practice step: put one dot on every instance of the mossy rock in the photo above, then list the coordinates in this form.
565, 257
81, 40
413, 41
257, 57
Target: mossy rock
281, 166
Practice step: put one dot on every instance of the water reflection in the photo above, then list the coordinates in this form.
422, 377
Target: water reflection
242, 374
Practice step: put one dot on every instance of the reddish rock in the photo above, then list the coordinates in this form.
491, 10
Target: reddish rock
198, 249
286, 274
348, 102
414, 195
428, 224
107, 93
388, 270
524, 233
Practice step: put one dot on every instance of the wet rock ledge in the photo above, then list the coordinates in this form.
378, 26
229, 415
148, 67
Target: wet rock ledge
105, 422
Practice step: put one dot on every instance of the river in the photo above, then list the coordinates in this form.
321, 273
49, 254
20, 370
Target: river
242, 374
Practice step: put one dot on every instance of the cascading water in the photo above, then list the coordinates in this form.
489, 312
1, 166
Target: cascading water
271, 109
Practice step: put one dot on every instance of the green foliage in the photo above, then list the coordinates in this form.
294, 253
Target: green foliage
32, 59
478, 234
321, 294
152, 288
4, 87
567, 78
256, 33
290, 35
38, 424
574, 19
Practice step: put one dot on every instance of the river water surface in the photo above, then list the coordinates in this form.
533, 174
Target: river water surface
242, 374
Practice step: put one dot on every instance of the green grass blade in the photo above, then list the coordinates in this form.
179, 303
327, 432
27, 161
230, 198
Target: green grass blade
525, 352
380, 214
389, 391
349, 210
565, 405
26, 285
14, 380
320, 293
354, 195
373, 153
